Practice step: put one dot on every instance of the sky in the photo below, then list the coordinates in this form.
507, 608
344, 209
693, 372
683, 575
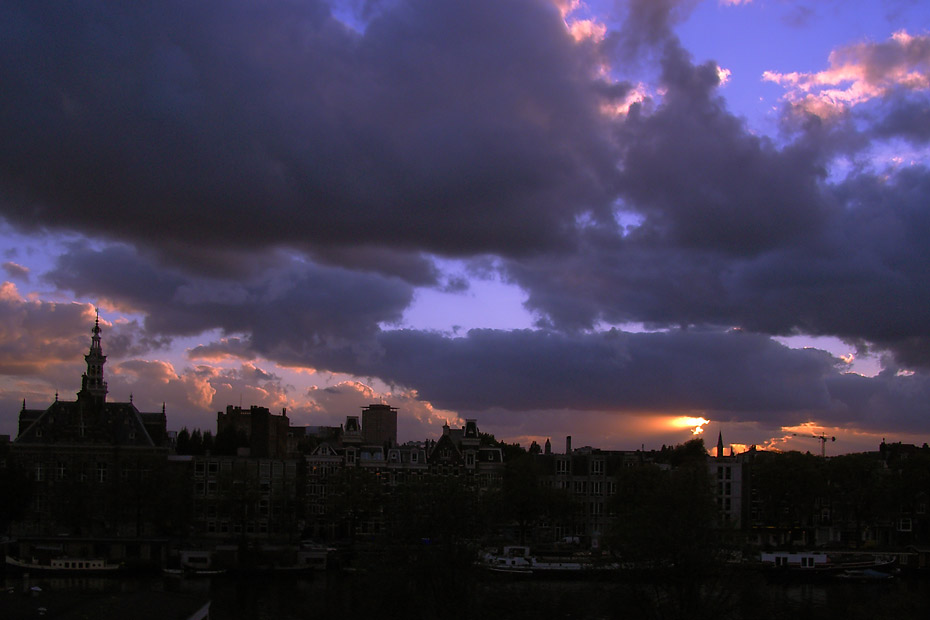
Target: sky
624, 221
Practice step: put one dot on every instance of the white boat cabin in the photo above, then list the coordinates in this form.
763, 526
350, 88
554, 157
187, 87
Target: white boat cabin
795, 559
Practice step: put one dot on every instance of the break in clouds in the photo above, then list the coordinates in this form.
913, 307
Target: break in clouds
285, 177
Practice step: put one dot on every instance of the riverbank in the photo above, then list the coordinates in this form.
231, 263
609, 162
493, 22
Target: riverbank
357, 596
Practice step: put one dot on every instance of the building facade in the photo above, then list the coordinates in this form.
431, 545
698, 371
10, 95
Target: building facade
96, 467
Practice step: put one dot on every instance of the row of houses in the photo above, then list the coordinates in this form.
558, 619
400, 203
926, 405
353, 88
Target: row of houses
107, 479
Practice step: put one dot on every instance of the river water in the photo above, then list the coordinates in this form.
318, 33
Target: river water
468, 595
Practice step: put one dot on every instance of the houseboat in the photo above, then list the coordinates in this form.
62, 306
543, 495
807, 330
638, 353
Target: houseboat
64, 565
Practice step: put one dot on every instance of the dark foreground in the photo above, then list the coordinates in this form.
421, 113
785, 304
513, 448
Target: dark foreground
467, 594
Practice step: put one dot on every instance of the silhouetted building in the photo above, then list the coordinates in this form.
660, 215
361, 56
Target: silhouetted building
93, 464
730, 478
379, 425
264, 433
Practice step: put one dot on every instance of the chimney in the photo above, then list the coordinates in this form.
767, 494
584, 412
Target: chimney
568, 444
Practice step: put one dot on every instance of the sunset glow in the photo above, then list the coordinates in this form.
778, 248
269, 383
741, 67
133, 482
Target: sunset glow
695, 424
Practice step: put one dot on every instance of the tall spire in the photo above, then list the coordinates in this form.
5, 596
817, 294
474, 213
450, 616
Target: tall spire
720, 444
92, 384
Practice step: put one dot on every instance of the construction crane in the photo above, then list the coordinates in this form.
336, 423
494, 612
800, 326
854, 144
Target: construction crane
823, 442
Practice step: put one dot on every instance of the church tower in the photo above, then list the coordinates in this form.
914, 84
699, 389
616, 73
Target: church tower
93, 387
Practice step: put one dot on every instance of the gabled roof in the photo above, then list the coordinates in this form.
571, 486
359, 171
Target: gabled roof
70, 422
324, 449
445, 442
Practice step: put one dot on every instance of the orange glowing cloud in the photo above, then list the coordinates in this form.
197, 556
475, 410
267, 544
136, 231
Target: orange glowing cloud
622, 108
859, 73
587, 30
695, 424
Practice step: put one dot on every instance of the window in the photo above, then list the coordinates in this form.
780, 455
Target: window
40, 472
597, 508
595, 488
904, 525
597, 467
61, 471
414, 457
470, 459
101, 471
561, 466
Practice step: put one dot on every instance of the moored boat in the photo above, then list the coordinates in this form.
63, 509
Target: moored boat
810, 564
64, 565
517, 560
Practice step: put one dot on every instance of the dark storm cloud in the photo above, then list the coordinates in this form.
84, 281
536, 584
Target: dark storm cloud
734, 231
703, 181
887, 401
453, 127
907, 118
297, 302
616, 371
860, 276
725, 375
647, 23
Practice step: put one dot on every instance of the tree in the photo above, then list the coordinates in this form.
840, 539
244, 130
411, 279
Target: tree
183, 442
15, 491
787, 488
666, 524
524, 501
